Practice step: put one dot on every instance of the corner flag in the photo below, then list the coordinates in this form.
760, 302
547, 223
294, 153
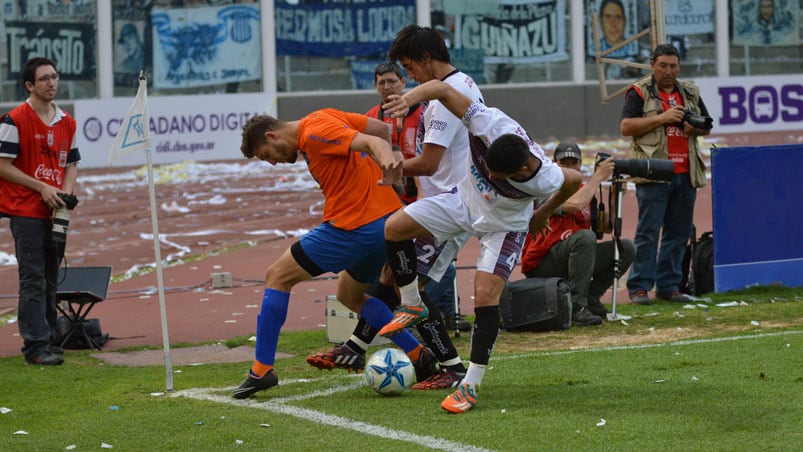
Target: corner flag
134, 133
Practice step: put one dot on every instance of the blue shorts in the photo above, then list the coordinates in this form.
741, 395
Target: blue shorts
360, 251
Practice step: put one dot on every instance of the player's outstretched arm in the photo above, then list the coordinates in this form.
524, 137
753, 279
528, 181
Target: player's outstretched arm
453, 100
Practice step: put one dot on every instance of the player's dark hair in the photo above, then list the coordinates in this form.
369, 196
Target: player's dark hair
416, 43
664, 49
254, 132
507, 154
29, 71
388, 66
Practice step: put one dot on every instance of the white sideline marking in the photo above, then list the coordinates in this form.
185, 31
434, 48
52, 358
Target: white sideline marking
640, 346
278, 405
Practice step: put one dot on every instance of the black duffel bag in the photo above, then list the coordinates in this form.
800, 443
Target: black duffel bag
536, 304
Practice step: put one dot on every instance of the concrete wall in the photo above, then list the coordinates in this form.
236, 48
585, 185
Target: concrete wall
546, 112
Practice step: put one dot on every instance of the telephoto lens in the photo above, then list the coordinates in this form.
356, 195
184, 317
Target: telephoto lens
61, 221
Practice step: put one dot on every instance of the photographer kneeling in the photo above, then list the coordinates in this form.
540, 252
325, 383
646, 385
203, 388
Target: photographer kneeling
571, 249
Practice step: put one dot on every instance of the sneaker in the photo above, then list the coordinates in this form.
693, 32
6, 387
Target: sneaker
461, 400
45, 359
426, 366
253, 384
598, 309
404, 317
342, 357
640, 297
584, 317
675, 297
446, 378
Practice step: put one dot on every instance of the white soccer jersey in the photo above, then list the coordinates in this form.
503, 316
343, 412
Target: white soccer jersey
445, 129
502, 205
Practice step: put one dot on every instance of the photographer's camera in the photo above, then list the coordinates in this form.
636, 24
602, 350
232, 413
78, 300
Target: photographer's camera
654, 169
698, 121
61, 218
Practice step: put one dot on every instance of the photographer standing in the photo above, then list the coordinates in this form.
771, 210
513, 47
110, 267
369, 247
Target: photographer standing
38, 157
570, 250
664, 116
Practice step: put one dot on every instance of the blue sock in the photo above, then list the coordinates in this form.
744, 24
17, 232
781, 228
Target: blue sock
269, 324
377, 313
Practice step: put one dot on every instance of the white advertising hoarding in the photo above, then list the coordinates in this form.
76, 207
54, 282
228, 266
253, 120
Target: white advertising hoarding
766, 103
201, 127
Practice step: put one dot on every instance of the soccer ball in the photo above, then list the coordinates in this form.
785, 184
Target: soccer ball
389, 372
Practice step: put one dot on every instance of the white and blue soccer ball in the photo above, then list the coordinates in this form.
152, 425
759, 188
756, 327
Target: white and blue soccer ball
389, 372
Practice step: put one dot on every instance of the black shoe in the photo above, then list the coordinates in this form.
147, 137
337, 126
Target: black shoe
583, 317
45, 359
253, 384
598, 309
56, 350
426, 366
675, 297
342, 357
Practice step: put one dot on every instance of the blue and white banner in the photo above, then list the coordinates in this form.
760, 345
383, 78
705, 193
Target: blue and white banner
339, 29
206, 46
754, 104
201, 127
617, 21
766, 22
688, 17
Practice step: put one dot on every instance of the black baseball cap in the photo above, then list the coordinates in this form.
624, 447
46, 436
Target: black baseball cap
567, 150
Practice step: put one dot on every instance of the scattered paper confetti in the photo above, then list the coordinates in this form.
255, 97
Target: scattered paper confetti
230, 321
114, 408
601, 422
71, 447
504, 410
4, 410
754, 323
689, 306
264, 425
106, 446
157, 394
728, 304
693, 378
238, 441
20, 432
660, 381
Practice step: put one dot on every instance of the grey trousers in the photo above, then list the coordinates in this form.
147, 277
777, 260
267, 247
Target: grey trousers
586, 264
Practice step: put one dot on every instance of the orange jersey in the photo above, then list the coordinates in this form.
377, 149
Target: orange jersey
348, 179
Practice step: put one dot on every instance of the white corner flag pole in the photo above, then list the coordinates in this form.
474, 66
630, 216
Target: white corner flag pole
159, 278
134, 135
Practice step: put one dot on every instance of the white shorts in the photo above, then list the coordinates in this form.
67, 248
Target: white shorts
446, 217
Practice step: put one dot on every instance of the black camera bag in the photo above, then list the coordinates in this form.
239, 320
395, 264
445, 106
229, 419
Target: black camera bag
77, 341
536, 304
698, 260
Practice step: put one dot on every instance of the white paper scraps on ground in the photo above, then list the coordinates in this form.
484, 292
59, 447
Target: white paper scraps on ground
601, 422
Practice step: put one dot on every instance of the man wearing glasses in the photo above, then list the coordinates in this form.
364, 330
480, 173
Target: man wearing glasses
38, 157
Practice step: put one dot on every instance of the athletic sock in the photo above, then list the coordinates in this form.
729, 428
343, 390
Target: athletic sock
484, 333
364, 333
402, 260
258, 370
269, 324
378, 315
474, 374
434, 333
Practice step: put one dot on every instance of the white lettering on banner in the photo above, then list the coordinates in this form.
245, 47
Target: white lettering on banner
337, 25
44, 173
537, 38
68, 49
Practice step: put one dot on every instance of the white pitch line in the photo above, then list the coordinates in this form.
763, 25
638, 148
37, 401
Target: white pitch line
318, 417
643, 346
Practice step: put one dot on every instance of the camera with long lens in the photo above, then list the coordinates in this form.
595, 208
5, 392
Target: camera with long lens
654, 169
698, 121
61, 219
